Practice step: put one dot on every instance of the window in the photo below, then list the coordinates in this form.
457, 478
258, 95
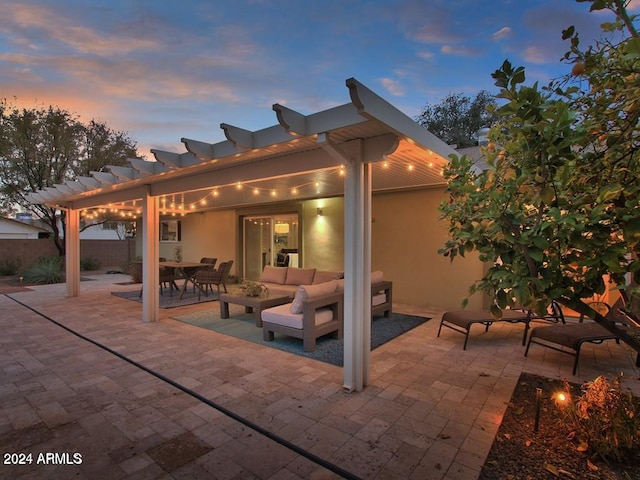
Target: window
170, 231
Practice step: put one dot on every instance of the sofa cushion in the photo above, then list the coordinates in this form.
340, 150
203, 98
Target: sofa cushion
323, 276
274, 274
376, 277
311, 292
300, 276
281, 315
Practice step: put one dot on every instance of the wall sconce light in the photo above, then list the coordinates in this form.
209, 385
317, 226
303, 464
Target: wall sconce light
319, 212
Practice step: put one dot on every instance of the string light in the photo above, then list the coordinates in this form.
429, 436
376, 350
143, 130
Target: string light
169, 206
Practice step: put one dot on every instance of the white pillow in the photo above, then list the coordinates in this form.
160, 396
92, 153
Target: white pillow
310, 292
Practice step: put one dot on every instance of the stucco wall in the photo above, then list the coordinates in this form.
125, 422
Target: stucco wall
208, 234
406, 235
323, 236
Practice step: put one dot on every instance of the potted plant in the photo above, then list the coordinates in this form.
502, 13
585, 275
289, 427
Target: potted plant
254, 289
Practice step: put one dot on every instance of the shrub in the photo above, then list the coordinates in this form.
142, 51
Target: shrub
45, 271
134, 268
604, 420
9, 266
89, 264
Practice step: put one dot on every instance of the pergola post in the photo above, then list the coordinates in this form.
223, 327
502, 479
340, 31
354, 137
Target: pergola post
357, 289
72, 252
150, 258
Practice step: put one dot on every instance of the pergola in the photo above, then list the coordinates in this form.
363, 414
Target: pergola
355, 138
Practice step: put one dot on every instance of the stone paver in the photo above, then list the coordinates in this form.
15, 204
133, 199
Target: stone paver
431, 410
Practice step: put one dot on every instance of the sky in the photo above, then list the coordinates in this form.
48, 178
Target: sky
164, 70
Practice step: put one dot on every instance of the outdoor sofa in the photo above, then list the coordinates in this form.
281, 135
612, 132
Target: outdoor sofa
317, 308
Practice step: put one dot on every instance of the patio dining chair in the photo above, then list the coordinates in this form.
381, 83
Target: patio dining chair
205, 279
166, 278
209, 264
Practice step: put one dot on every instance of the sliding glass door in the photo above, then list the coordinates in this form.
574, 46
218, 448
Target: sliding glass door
269, 240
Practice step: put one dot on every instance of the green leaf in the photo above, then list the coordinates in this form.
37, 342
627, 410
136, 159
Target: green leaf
609, 192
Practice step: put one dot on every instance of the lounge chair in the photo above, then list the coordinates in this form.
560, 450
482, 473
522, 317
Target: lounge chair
569, 338
462, 320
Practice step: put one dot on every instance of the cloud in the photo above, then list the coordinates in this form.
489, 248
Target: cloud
392, 86
425, 55
46, 25
533, 54
459, 51
504, 32
427, 22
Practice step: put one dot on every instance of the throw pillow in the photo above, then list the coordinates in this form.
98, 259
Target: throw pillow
311, 292
300, 276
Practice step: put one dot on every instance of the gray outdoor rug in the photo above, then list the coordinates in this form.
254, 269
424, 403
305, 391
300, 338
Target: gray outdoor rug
330, 350
167, 301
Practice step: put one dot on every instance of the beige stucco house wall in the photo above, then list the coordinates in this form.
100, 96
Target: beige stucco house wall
406, 235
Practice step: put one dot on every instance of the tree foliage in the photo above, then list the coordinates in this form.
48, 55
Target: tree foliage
557, 208
457, 118
42, 147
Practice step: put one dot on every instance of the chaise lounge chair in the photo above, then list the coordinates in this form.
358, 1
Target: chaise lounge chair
570, 338
462, 320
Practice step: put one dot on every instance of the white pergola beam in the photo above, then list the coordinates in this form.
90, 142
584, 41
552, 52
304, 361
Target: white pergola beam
76, 187
123, 173
146, 168
240, 137
292, 121
89, 182
374, 107
105, 178
173, 160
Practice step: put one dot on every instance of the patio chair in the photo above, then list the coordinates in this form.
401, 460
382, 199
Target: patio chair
166, 278
210, 264
569, 338
206, 278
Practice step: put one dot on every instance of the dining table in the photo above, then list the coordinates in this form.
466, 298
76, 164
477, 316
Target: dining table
186, 270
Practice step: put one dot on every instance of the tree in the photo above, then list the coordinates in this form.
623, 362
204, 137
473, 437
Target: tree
457, 118
42, 147
557, 208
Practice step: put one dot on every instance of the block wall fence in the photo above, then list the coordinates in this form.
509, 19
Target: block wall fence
109, 253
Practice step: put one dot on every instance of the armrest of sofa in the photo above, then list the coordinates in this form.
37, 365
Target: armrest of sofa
385, 288
309, 308
380, 287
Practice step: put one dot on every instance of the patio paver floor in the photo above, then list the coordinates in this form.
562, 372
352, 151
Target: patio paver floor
431, 410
